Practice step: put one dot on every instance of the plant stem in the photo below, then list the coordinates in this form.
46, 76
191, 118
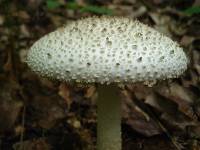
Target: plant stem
109, 118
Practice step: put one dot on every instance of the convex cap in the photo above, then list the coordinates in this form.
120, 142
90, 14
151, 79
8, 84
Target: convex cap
106, 50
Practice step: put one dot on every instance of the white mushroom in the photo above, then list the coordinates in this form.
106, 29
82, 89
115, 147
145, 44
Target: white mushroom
107, 50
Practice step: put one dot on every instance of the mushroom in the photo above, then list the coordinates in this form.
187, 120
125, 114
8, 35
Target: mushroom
109, 51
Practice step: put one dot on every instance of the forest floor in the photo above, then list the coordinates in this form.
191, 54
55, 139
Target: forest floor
39, 114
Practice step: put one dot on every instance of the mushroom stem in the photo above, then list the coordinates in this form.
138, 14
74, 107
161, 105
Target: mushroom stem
109, 118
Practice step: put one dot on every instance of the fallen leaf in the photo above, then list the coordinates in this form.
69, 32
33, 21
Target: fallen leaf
10, 105
36, 144
137, 118
186, 40
64, 92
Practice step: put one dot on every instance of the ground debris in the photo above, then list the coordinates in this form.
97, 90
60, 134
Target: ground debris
40, 114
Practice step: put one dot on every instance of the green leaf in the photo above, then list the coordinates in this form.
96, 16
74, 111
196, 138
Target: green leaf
192, 10
73, 5
97, 10
52, 4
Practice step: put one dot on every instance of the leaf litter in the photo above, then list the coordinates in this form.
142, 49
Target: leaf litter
36, 113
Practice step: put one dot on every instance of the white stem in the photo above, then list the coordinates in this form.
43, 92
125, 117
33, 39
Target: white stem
109, 118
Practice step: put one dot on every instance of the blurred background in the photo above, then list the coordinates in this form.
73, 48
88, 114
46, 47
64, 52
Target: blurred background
39, 114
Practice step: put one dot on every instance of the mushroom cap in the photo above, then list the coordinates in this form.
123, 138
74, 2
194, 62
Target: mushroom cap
107, 50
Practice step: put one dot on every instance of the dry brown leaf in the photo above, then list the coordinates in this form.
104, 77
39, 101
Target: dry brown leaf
178, 121
179, 91
36, 144
34, 4
177, 29
159, 103
64, 92
186, 40
23, 55
194, 131
138, 12
74, 122
182, 97
141, 91
2, 19
23, 15
48, 111
24, 31
169, 112
10, 105
162, 23
90, 92
137, 118
8, 66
